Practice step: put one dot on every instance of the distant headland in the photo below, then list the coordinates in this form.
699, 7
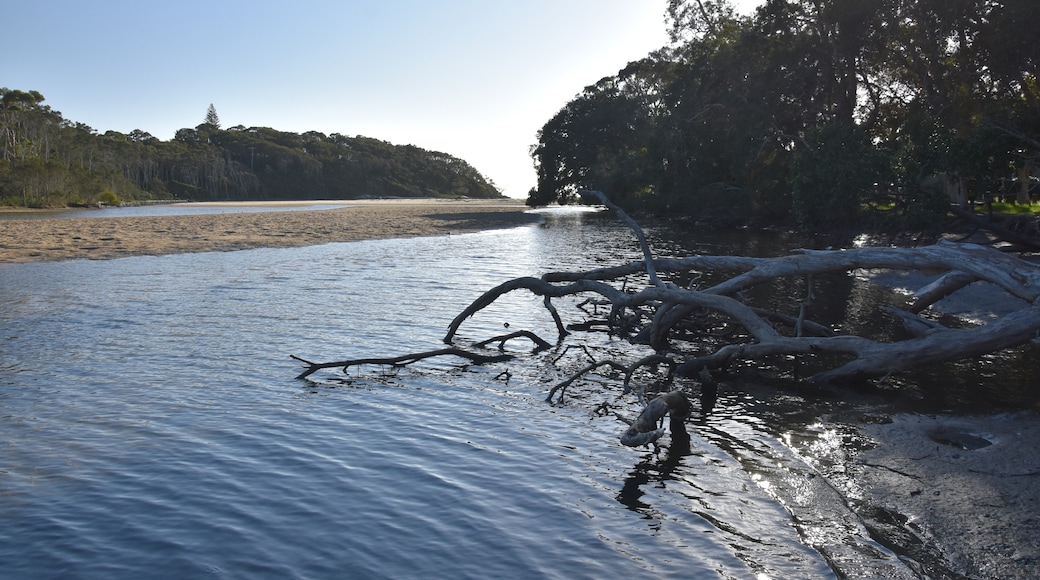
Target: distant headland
48, 161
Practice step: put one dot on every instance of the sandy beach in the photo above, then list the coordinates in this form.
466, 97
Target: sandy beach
50, 239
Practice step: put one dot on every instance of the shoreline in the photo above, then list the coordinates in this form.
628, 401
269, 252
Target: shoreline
100, 238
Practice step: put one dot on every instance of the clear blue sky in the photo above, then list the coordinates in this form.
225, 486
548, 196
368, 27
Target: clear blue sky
473, 78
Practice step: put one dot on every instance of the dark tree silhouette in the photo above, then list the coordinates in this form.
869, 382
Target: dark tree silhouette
211, 117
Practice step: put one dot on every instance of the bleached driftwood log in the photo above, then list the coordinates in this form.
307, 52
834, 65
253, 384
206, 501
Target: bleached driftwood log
766, 333
660, 313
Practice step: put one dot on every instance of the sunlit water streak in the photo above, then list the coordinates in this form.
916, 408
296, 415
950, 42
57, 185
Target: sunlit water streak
152, 425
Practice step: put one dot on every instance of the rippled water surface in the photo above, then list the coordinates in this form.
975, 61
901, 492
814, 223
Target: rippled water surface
152, 425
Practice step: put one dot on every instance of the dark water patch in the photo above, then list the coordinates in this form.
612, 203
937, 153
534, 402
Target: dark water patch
959, 439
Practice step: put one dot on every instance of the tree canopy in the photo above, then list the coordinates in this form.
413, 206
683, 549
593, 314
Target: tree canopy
809, 111
212, 119
49, 161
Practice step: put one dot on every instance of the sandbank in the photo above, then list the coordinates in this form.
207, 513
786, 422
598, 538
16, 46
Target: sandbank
51, 239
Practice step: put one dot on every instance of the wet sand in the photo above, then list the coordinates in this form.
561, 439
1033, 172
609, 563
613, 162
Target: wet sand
959, 490
50, 239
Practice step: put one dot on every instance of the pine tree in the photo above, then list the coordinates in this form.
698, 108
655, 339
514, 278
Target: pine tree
211, 117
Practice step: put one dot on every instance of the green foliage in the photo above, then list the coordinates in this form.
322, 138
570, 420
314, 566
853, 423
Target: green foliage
831, 177
1031, 208
47, 161
925, 210
604, 139
805, 111
211, 117
109, 197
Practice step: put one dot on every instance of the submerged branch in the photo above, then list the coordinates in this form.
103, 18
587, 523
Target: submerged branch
539, 342
627, 370
401, 360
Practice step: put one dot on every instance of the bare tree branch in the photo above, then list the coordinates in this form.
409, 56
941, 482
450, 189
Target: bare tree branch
402, 360
501, 340
628, 371
640, 236
964, 262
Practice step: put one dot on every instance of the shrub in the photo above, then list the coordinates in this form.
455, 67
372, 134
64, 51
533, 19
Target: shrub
109, 197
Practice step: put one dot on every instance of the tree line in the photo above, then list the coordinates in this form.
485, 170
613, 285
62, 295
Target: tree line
825, 113
49, 161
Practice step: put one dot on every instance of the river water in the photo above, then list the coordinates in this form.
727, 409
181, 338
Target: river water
152, 425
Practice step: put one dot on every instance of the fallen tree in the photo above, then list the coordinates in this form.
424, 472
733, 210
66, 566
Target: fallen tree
681, 325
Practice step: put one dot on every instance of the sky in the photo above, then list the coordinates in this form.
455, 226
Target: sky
473, 78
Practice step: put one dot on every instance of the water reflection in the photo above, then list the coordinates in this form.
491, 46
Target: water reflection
654, 468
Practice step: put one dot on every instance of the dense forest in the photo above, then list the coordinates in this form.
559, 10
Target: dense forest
48, 161
825, 113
